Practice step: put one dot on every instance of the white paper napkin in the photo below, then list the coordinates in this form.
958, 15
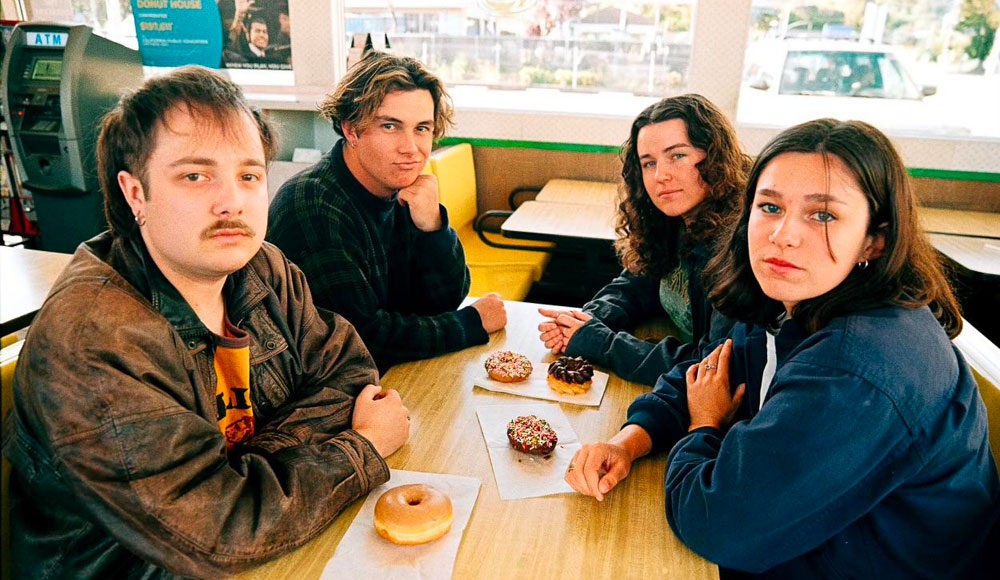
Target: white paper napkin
520, 475
362, 553
537, 386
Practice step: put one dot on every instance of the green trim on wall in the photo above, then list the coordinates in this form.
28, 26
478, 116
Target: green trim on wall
584, 148
954, 175
546, 145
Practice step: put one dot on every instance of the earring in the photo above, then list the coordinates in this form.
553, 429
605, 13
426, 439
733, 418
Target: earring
140, 220
863, 264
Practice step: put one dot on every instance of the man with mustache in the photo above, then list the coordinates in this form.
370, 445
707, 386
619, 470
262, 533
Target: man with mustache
180, 406
366, 226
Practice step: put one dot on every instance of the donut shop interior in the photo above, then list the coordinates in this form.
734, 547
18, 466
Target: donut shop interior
540, 164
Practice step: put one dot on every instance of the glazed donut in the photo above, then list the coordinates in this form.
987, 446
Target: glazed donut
571, 375
413, 514
508, 367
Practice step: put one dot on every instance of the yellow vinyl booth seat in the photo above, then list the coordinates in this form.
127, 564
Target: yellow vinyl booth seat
983, 357
509, 272
990, 393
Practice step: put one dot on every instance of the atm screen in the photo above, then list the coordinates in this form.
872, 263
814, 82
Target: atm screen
47, 70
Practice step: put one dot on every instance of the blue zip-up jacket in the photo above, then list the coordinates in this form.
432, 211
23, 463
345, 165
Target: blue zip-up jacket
868, 459
630, 300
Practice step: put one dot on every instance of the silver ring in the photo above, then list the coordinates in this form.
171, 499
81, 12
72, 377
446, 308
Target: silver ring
710, 367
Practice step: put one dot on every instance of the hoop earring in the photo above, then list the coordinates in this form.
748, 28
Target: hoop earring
863, 264
139, 219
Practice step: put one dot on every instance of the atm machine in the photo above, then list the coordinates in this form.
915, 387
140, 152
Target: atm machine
58, 82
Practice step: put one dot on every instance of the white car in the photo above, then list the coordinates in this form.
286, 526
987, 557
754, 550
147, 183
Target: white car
792, 81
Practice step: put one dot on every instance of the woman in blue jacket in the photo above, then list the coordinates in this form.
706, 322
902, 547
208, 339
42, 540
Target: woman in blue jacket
683, 175
859, 447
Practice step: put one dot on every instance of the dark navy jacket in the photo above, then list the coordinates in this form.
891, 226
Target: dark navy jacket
630, 300
868, 459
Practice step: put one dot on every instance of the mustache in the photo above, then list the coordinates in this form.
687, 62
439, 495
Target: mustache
227, 225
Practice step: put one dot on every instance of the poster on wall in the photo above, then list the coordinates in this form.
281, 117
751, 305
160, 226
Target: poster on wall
257, 34
178, 32
235, 34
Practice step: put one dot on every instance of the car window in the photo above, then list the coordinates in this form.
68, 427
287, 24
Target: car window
895, 82
845, 73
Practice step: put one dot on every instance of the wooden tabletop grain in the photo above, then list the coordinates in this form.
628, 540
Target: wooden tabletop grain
976, 254
561, 536
960, 222
26, 276
558, 221
578, 191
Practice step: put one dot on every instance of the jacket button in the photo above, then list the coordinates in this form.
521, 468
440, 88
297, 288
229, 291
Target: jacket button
192, 343
271, 345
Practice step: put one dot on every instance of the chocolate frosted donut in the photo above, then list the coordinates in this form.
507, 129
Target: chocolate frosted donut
572, 370
529, 434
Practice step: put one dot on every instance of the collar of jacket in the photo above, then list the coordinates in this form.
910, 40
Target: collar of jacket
242, 291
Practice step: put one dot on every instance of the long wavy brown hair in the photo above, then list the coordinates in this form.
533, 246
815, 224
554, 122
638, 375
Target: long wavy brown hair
908, 273
650, 242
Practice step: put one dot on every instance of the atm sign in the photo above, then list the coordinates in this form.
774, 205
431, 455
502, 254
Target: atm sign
53, 39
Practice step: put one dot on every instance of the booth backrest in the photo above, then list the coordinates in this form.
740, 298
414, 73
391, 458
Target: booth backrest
456, 175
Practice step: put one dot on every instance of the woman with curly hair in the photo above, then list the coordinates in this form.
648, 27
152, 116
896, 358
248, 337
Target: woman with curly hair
683, 173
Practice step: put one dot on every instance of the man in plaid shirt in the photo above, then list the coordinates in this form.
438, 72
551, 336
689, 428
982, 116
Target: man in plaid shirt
366, 226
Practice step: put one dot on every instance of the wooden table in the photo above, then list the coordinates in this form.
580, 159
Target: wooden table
577, 191
981, 255
561, 222
964, 223
562, 536
26, 276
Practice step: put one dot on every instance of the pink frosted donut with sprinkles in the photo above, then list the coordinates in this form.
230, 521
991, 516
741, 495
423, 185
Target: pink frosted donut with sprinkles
529, 434
508, 367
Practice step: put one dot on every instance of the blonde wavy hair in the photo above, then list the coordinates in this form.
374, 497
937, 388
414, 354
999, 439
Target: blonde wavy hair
360, 93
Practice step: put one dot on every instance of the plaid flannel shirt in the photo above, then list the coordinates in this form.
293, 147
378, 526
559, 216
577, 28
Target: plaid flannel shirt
365, 260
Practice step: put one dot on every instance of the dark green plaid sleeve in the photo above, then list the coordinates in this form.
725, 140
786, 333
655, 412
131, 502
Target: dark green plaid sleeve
439, 276
331, 248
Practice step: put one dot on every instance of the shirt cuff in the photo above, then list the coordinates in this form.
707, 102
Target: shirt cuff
657, 419
591, 341
473, 325
439, 242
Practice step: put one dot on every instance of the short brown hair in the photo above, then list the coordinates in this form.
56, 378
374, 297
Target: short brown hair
128, 132
908, 273
649, 241
360, 93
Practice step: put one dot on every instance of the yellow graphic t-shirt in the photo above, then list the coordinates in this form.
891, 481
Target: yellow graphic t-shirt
232, 389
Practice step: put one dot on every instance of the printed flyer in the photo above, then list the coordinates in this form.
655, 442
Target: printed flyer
244, 34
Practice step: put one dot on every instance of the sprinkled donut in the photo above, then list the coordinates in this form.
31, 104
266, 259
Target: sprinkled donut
529, 434
508, 367
571, 375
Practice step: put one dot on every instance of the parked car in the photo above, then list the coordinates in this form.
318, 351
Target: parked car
792, 81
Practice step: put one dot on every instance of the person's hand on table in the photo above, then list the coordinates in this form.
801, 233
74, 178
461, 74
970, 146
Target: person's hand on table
559, 329
492, 312
710, 403
380, 417
598, 467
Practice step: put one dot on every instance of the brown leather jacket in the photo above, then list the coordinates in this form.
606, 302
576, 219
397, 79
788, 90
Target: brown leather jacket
119, 466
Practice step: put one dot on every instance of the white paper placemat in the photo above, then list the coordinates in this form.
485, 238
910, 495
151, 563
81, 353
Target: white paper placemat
362, 553
519, 475
537, 386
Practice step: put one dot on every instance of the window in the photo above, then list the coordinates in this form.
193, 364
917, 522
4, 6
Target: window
582, 45
109, 18
905, 67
